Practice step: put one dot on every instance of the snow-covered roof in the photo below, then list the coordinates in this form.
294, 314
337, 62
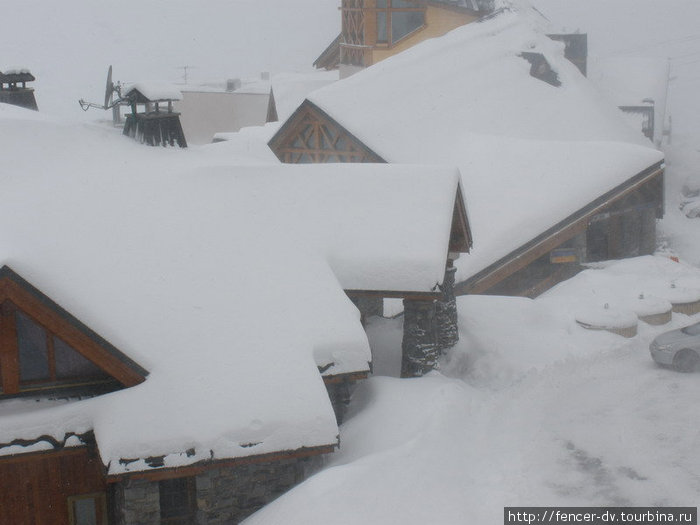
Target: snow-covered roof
16, 74
530, 153
634, 81
224, 282
154, 91
16, 71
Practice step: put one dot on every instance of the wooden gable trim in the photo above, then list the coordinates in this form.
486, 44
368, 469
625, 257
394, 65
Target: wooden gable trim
461, 239
59, 321
561, 232
329, 59
345, 378
160, 474
281, 142
395, 294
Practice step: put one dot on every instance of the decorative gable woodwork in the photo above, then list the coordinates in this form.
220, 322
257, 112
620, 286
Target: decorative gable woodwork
352, 48
311, 136
44, 348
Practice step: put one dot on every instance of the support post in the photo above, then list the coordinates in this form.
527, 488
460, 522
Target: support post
446, 311
420, 352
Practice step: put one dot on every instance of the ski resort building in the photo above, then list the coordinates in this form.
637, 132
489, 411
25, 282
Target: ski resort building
373, 30
553, 176
177, 341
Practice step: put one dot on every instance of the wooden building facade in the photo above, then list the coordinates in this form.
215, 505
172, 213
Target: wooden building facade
46, 354
373, 30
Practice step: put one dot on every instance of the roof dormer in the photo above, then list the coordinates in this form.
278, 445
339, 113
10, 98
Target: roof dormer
44, 349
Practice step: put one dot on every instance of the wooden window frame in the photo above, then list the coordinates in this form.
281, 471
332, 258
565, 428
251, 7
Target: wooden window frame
191, 496
10, 358
389, 10
100, 499
16, 294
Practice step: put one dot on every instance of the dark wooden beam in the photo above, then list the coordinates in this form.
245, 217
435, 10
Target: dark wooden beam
9, 355
197, 468
561, 232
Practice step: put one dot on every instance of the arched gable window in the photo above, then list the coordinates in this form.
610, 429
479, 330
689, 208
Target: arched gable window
44, 348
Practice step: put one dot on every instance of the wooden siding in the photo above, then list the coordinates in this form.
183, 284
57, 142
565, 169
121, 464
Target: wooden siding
34, 488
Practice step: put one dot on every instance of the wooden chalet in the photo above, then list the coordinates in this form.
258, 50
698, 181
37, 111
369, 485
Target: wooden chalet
157, 124
14, 90
373, 30
399, 115
132, 323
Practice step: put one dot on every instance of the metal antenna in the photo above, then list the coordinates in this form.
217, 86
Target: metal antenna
184, 69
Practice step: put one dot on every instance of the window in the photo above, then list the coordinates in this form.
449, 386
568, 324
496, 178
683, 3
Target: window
35, 358
89, 509
178, 502
397, 19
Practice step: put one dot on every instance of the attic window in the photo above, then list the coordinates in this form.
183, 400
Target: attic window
540, 68
397, 19
45, 357
41, 360
43, 348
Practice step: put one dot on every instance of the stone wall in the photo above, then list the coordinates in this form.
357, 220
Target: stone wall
339, 394
224, 494
228, 495
136, 502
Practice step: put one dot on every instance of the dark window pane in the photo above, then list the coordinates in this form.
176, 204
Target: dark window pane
404, 22
402, 3
85, 511
177, 500
33, 351
69, 363
381, 27
381, 4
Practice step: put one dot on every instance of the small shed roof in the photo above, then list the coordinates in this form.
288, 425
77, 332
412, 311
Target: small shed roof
143, 92
16, 75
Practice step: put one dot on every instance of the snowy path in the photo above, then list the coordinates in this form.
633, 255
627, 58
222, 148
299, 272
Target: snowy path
537, 413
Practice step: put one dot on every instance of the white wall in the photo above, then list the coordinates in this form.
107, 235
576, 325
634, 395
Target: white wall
205, 113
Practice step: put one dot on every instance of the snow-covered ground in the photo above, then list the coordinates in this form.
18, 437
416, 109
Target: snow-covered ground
529, 409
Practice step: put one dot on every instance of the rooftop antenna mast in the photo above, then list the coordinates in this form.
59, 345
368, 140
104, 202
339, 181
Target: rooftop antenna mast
184, 71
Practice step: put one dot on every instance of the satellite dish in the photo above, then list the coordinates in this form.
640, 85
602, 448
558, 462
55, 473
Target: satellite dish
109, 89
110, 102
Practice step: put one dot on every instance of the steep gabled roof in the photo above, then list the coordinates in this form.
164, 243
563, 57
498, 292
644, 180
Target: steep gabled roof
530, 153
225, 282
